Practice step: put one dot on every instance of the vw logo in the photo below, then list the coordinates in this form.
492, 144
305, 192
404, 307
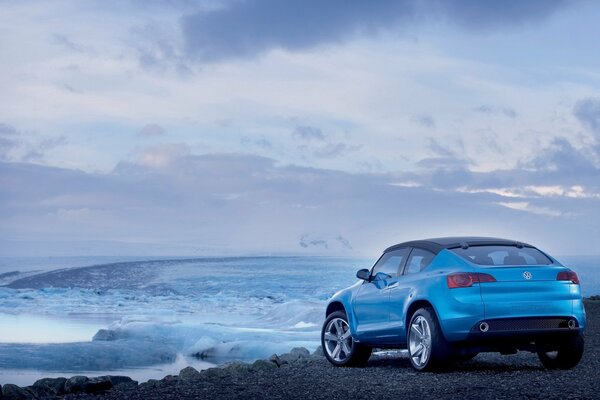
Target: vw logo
527, 275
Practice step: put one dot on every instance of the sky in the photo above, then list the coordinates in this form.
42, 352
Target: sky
296, 127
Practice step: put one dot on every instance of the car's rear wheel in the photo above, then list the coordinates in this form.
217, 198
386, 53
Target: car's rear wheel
339, 347
427, 347
564, 355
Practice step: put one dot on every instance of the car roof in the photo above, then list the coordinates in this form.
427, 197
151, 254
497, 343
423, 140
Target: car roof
436, 245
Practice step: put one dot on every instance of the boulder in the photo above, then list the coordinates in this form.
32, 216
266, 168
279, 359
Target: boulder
151, 384
56, 385
263, 365
40, 392
122, 382
97, 385
294, 355
275, 359
75, 384
213, 373
318, 353
237, 367
189, 374
13, 392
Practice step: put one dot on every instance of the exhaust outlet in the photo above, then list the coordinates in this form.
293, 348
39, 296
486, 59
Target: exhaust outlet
484, 327
572, 324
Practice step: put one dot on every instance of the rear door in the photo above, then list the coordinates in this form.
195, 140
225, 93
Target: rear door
526, 282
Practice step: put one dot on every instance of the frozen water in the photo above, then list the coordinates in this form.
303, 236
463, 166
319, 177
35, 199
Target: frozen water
151, 313
151, 316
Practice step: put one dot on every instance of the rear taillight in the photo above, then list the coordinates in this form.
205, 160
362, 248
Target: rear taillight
568, 276
467, 279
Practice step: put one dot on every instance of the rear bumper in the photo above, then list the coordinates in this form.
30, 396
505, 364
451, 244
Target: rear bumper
525, 328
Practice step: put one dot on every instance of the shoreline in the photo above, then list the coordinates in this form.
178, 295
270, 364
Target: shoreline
308, 370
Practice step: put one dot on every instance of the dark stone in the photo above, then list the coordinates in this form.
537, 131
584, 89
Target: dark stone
275, 359
318, 352
75, 384
55, 384
97, 385
40, 392
122, 382
294, 355
13, 392
189, 374
151, 384
262, 365
237, 368
213, 373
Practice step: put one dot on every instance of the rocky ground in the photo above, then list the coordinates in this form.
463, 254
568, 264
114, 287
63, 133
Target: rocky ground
300, 375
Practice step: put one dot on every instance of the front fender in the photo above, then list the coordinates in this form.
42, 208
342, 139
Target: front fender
345, 298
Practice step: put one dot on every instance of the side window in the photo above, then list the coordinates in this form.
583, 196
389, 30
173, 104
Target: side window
419, 260
389, 264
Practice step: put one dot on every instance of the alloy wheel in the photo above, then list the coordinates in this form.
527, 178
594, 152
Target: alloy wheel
419, 341
338, 340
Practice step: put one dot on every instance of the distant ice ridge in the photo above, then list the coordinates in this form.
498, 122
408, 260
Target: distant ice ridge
156, 311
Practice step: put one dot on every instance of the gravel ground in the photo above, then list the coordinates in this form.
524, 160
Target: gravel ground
488, 376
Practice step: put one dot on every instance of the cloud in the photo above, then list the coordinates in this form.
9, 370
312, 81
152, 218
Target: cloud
152, 130
426, 121
158, 156
168, 201
332, 150
67, 43
306, 132
587, 111
261, 143
487, 109
563, 157
16, 145
8, 140
242, 29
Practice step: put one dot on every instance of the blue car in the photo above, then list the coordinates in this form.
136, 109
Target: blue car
448, 299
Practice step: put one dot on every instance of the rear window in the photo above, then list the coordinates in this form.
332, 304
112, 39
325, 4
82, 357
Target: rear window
503, 255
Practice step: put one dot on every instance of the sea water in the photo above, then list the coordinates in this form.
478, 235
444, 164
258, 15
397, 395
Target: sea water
150, 317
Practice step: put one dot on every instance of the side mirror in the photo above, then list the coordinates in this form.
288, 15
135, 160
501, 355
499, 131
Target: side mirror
363, 274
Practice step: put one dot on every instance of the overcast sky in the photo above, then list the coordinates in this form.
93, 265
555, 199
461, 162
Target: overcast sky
299, 126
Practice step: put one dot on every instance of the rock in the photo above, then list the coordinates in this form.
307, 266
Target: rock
57, 385
213, 373
237, 367
40, 392
318, 352
294, 355
189, 374
151, 384
75, 384
13, 392
122, 382
262, 365
105, 334
97, 385
275, 359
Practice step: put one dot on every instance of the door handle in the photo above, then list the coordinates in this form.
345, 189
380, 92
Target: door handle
393, 285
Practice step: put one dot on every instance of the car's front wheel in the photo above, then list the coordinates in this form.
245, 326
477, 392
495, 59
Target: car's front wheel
427, 347
338, 345
565, 355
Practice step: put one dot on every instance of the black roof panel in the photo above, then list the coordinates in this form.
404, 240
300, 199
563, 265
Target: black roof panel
437, 244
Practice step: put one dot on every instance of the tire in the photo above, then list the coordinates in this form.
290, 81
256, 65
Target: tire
338, 345
428, 350
566, 355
